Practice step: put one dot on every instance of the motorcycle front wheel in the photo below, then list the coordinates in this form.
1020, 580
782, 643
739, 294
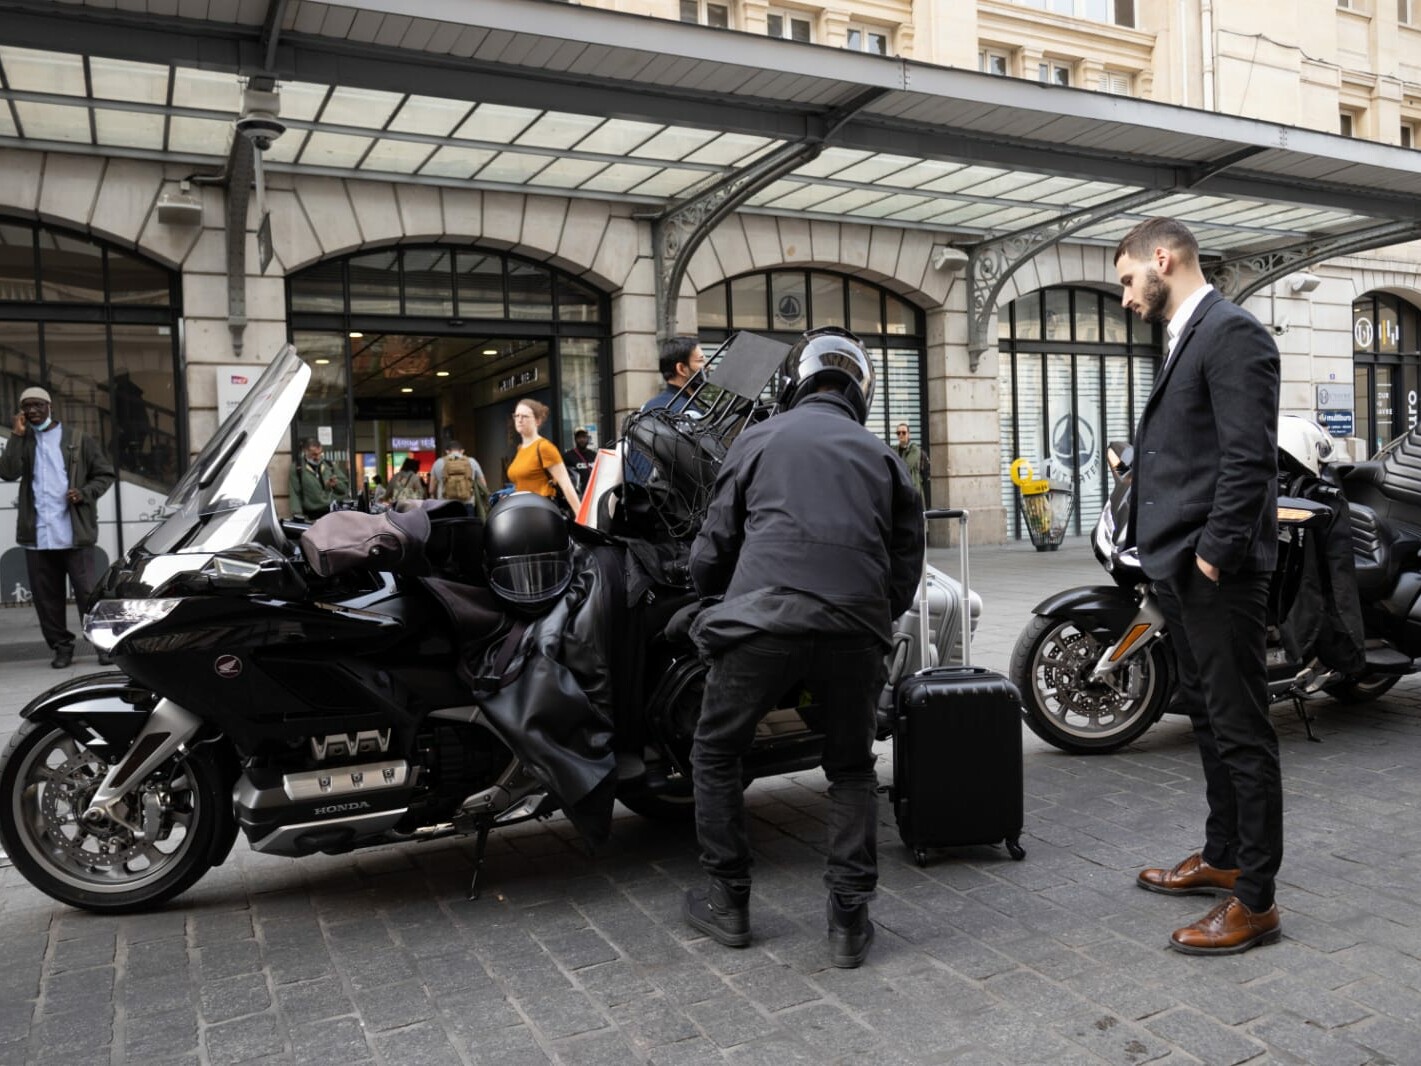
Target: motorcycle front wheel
158, 843
1051, 665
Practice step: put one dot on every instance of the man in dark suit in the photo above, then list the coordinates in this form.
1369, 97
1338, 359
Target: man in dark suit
1204, 518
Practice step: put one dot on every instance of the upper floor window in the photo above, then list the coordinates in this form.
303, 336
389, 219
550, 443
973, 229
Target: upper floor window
994, 61
789, 24
871, 39
1116, 83
1053, 73
706, 12
1408, 135
1346, 124
1119, 12
1403, 12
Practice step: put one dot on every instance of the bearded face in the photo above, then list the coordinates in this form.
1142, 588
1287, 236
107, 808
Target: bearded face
1154, 296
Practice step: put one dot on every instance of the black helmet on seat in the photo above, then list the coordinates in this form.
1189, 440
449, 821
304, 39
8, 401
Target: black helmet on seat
527, 551
828, 355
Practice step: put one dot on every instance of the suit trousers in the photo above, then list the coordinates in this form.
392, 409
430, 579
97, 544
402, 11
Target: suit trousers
48, 569
844, 676
1219, 631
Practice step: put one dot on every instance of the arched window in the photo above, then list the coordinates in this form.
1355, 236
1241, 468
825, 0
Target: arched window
97, 326
1386, 367
785, 303
1075, 372
414, 346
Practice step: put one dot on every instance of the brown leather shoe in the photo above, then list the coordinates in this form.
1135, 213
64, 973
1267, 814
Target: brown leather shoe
1191, 877
1228, 929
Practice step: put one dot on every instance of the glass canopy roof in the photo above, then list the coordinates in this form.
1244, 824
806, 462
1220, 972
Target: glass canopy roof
173, 112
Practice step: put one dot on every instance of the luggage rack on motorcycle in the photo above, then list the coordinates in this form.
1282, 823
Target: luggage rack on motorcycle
673, 453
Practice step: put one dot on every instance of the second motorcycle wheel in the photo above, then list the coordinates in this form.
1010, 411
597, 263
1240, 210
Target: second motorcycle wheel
1051, 665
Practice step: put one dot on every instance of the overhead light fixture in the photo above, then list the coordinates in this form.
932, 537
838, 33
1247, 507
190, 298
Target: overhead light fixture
441, 373
407, 389
490, 351
180, 208
355, 334
322, 362
947, 258
1302, 282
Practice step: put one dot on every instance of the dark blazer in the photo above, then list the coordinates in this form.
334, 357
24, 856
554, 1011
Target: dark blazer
1206, 449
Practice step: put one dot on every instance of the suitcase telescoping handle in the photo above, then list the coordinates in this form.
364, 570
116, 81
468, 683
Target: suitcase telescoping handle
924, 629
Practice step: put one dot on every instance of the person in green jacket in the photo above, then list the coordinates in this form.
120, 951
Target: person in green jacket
62, 473
912, 457
315, 482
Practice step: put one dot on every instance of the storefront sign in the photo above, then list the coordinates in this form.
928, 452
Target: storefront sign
233, 383
527, 376
1337, 423
412, 444
1332, 397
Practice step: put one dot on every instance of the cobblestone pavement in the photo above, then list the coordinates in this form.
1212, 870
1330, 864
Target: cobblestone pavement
567, 958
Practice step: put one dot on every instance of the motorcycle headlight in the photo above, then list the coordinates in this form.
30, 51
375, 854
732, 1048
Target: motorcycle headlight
112, 620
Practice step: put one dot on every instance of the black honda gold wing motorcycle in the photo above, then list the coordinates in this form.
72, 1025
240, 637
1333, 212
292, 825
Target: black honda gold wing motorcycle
1095, 665
321, 708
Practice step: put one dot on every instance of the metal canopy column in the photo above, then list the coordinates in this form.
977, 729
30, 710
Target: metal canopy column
990, 263
1239, 277
678, 231
241, 171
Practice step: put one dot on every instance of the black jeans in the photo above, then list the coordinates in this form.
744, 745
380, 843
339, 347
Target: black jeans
844, 676
48, 570
1220, 636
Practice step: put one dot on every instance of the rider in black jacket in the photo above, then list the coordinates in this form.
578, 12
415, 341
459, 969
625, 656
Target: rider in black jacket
814, 561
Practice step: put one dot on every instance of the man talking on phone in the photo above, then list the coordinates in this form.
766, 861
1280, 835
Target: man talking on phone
62, 473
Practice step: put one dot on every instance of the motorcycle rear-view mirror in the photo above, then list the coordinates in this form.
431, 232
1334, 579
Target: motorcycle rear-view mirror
1120, 456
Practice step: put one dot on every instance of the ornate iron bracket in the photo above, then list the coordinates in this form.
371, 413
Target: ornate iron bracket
678, 230
1240, 276
990, 263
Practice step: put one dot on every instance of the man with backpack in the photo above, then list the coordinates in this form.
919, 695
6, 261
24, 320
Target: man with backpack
457, 476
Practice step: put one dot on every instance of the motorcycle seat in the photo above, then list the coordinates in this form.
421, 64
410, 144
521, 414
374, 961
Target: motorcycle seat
1380, 550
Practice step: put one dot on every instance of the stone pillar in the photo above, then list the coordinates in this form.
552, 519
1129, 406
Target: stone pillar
966, 421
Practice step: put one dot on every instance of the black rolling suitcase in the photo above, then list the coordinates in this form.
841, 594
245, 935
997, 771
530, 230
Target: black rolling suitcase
957, 772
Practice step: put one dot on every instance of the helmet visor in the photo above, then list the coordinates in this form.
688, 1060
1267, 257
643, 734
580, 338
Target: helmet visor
531, 579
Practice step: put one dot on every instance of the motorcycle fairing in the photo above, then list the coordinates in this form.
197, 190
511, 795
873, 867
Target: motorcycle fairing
1097, 609
104, 712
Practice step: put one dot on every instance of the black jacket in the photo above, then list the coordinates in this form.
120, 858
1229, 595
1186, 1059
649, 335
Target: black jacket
1206, 449
810, 509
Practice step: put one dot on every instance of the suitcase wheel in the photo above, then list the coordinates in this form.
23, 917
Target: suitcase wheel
920, 856
1015, 850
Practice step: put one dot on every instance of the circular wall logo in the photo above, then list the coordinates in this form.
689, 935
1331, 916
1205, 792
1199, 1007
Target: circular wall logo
1362, 333
227, 666
790, 309
1078, 453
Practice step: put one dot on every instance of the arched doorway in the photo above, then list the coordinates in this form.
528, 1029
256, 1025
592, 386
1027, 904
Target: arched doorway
1075, 372
411, 347
97, 326
785, 303
1386, 367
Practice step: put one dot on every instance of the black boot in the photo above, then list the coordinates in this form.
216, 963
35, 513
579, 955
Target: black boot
721, 912
63, 656
850, 933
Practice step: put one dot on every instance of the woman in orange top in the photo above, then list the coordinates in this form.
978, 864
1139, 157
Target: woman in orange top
538, 464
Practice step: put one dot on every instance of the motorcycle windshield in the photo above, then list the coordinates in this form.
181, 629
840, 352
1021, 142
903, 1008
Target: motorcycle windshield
230, 471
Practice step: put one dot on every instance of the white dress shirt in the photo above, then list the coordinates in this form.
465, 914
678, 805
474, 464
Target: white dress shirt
1182, 315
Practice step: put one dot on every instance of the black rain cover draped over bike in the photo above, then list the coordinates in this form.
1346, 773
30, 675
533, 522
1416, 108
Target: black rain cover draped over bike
1326, 617
553, 708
